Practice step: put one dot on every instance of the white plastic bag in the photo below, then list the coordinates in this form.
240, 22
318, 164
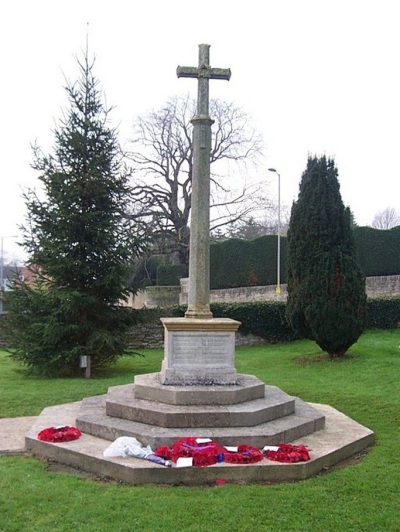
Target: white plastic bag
126, 446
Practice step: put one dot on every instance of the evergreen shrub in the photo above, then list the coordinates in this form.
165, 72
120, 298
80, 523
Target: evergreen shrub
78, 233
170, 274
326, 286
383, 313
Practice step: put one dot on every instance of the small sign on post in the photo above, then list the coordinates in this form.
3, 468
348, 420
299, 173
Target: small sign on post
84, 362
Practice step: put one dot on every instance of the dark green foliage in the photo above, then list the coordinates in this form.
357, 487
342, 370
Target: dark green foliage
171, 274
378, 250
378, 254
156, 271
383, 313
82, 242
266, 320
326, 287
225, 257
235, 263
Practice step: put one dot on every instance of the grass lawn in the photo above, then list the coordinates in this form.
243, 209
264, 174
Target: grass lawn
364, 496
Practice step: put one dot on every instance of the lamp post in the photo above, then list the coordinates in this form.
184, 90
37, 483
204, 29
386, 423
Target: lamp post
2, 288
278, 272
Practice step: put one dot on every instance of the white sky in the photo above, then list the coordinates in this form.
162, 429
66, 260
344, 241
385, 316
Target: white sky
317, 76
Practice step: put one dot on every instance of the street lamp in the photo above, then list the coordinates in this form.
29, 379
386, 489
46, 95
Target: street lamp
278, 272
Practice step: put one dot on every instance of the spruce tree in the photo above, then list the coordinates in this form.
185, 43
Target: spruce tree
79, 242
326, 287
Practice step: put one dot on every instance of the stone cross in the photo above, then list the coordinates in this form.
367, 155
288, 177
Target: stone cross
199, 258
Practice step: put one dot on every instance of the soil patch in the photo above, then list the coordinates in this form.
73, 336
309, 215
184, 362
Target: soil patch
319, 358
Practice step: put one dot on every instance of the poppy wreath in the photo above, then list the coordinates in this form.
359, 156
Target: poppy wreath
244, 455
288, 453
206, 454
59, 434
203, 454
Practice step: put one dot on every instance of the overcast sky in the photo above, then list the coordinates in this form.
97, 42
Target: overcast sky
317, 76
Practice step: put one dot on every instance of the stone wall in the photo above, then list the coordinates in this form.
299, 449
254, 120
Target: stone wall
151, 334
385, 286
244, 294
156, 297
148, 335
166, 296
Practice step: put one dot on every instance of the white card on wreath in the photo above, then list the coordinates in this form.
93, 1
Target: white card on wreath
231, 449
184, 461
203, 440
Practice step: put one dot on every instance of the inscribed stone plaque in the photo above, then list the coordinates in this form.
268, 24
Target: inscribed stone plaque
195, 349
204, 355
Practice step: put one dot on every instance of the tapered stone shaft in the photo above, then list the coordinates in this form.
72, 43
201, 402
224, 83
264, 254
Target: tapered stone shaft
199, 258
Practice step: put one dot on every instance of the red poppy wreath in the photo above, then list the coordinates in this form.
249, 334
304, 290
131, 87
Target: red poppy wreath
59, 434
286, 452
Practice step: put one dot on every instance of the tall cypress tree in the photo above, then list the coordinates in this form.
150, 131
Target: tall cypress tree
80, 242
326, 287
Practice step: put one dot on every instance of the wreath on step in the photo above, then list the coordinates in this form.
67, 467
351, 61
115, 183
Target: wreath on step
59, 434
208, 453
286, 452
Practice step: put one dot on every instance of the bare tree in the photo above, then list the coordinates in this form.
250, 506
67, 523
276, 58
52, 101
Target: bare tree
250, 228
162, 158
386, 219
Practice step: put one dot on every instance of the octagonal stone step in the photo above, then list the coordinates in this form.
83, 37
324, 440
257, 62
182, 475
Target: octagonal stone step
92, 419
149, 387
340, 439
122, 402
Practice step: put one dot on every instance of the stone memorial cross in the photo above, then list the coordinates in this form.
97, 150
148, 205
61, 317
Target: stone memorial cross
199, 258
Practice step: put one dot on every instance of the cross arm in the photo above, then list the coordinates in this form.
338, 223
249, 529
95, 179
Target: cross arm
187, 72
203, 72
221, 73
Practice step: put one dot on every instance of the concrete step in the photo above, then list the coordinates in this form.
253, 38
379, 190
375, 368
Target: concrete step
93, 419
340, 439
149, 387
122, 402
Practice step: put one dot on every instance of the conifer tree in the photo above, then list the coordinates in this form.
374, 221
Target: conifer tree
326, 287
80, 243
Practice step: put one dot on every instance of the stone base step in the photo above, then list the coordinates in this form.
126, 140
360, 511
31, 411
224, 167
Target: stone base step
149, 387
92, 419
122, 402
340, 439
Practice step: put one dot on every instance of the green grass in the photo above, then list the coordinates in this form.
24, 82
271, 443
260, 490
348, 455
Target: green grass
363, 496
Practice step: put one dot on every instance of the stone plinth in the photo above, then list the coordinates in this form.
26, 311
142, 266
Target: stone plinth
149, 387
340, 439
122, 402
199, 351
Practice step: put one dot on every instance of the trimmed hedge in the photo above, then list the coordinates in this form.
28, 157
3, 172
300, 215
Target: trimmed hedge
383, 313
235, 263
170, 274
268, 320
378, 250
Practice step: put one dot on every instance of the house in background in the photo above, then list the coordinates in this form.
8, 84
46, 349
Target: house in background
8, 274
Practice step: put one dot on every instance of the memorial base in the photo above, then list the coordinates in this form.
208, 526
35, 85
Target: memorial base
199, 351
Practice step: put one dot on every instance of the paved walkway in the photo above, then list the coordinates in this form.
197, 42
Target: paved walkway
12, 434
